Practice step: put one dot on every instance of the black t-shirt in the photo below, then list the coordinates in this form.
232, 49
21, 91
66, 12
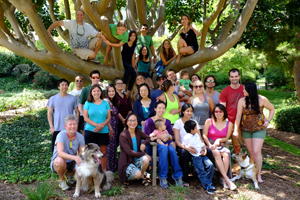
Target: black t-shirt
190, 38
127, 53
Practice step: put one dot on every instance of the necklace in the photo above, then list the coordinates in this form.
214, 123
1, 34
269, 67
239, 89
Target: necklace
73, 138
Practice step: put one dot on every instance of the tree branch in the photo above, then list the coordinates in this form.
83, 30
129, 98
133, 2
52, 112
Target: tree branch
2, 21
131, 15
152, 12
160, 19
101, 6
208, 21
67, 9
141, 7
77, 4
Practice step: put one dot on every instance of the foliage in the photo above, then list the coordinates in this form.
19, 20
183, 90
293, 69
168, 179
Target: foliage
287, 119
276, 98
64, 46
276, 76
43, 79
25, 146
283, 145
293, 100
24, 72
115, 191
43, 191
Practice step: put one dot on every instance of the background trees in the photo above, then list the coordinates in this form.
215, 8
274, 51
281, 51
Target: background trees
223, 24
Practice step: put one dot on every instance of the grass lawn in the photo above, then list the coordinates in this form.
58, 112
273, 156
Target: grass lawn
276, 97
283, 145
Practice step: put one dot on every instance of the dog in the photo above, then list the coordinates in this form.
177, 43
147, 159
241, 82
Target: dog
248, 168
89, 173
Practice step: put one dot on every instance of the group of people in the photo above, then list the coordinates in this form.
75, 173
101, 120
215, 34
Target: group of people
194, 128
180, 115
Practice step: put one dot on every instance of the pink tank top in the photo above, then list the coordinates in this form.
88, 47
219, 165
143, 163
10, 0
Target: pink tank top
214, 133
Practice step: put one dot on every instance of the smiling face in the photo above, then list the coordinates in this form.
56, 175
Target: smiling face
184, 20
140, 80
132, 37
210, 82
171, 76
78, 81
63, 87
132, 122
219, 113
96, 93
121, 30
119, 85
79, 16
198, 87
111, 92
71, 127
144, 92
144, 30
194, 78
144, 51
234, 78
188, 113
95, 79
160, 110
167, 44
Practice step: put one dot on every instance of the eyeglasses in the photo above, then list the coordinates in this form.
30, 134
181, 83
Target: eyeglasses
132, 120
145, 28
83, 31
218, 111
95, 77
119, 83
79, 81
198, 86
210, 81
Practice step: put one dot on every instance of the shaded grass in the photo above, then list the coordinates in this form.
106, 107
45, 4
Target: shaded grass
284, 146
276, 97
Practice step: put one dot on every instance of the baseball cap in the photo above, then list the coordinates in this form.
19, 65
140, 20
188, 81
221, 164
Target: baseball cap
160, 76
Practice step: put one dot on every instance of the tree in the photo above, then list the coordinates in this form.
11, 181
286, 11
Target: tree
274, 29
224, 30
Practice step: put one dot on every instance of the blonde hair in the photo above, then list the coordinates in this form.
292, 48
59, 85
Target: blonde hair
122, 24
197, 82
134, 91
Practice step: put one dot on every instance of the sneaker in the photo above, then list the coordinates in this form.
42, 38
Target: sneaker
63, 185
211, 186
178, 181
70, 179
210, 191
95, 60
163, 183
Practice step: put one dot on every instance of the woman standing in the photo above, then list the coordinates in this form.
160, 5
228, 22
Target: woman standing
253, 122
210, 83
164, 151
173, 106
124, 106
142, 107
128, 57
187, 44
202, 104
112, 99
167, 54
217, 131
97, 115
143, 63
133, 162
184, 151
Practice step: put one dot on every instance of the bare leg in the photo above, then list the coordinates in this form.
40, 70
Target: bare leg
60, 166
257, 145
181, 43
112, 61
104, 158
226, 161
98, 45
173, 144
145, 165
108, 49
150, 83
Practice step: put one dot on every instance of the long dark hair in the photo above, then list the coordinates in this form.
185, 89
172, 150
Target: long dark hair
139, 88
130, 33
141, 55
185, 107
126, 120
252, 99
222, 108
171, 52
91, 98
166, 85
114, 100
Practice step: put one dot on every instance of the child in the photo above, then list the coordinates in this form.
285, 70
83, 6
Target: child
185, 80
161, 129
203, 166
119, 31
143, 64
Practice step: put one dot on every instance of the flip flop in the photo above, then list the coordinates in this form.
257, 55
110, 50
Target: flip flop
144, 182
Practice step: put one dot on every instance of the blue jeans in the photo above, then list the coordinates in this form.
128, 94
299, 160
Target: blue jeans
163, 152
204, 168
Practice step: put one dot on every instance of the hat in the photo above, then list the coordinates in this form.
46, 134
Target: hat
160, 76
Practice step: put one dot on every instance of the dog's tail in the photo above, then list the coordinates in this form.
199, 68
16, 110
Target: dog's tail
109, 178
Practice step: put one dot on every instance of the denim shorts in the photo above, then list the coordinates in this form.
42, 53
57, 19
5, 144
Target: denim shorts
133, 168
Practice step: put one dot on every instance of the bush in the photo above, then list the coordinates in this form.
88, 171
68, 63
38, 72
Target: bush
10, 84
287, 119
276, 76
5, 68
25, 72
45, 80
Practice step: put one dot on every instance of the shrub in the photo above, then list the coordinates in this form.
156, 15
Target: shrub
24, 72
43, 191
276, 76
43, 79
5, 68
287, 119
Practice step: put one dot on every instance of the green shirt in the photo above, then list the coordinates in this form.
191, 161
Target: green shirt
144, 41
84, 94
123, 37
185, 83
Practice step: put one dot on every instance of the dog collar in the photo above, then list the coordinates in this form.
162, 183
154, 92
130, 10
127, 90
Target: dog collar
246, 169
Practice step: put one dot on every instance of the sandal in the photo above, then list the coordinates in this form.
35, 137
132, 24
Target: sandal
144, 182
223, 182
232, 185
186, 184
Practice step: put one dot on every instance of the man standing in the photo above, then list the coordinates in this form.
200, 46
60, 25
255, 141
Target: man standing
76, 92
229, 97
145, 40
79, 33
60, 105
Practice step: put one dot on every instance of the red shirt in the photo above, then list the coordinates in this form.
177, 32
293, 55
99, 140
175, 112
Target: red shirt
231, 97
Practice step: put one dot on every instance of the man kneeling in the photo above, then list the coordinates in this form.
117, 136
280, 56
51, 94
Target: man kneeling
68, 142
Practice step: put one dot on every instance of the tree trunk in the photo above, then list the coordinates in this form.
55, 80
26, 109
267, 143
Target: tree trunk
161, 29
296, 73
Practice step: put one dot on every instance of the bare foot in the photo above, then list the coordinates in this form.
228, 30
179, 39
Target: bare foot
112, 63
177, 60
106, 62
259, 180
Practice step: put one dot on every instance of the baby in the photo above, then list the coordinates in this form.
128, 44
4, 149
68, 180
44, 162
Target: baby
161, 129
185, 82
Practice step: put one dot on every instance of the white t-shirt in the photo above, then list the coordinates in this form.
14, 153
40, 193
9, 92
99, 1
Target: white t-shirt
76, 93
79, 34
193, 141
179, 125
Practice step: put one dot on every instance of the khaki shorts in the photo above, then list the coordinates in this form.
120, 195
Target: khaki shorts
234, 140
85, 53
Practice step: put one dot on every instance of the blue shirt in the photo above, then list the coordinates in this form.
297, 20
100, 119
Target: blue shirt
97, 113
134, 144
146, 112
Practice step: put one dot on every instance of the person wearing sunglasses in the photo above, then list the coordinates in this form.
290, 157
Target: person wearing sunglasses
217, 131
76, 92
210, 83
79, 33
202, 104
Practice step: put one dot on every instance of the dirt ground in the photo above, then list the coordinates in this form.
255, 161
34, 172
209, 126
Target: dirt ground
280, 182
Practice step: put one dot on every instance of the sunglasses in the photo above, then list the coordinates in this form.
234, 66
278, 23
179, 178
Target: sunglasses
79, 81
119, 83
218, 111
210, 81
198, 86
160, 79
95, 77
